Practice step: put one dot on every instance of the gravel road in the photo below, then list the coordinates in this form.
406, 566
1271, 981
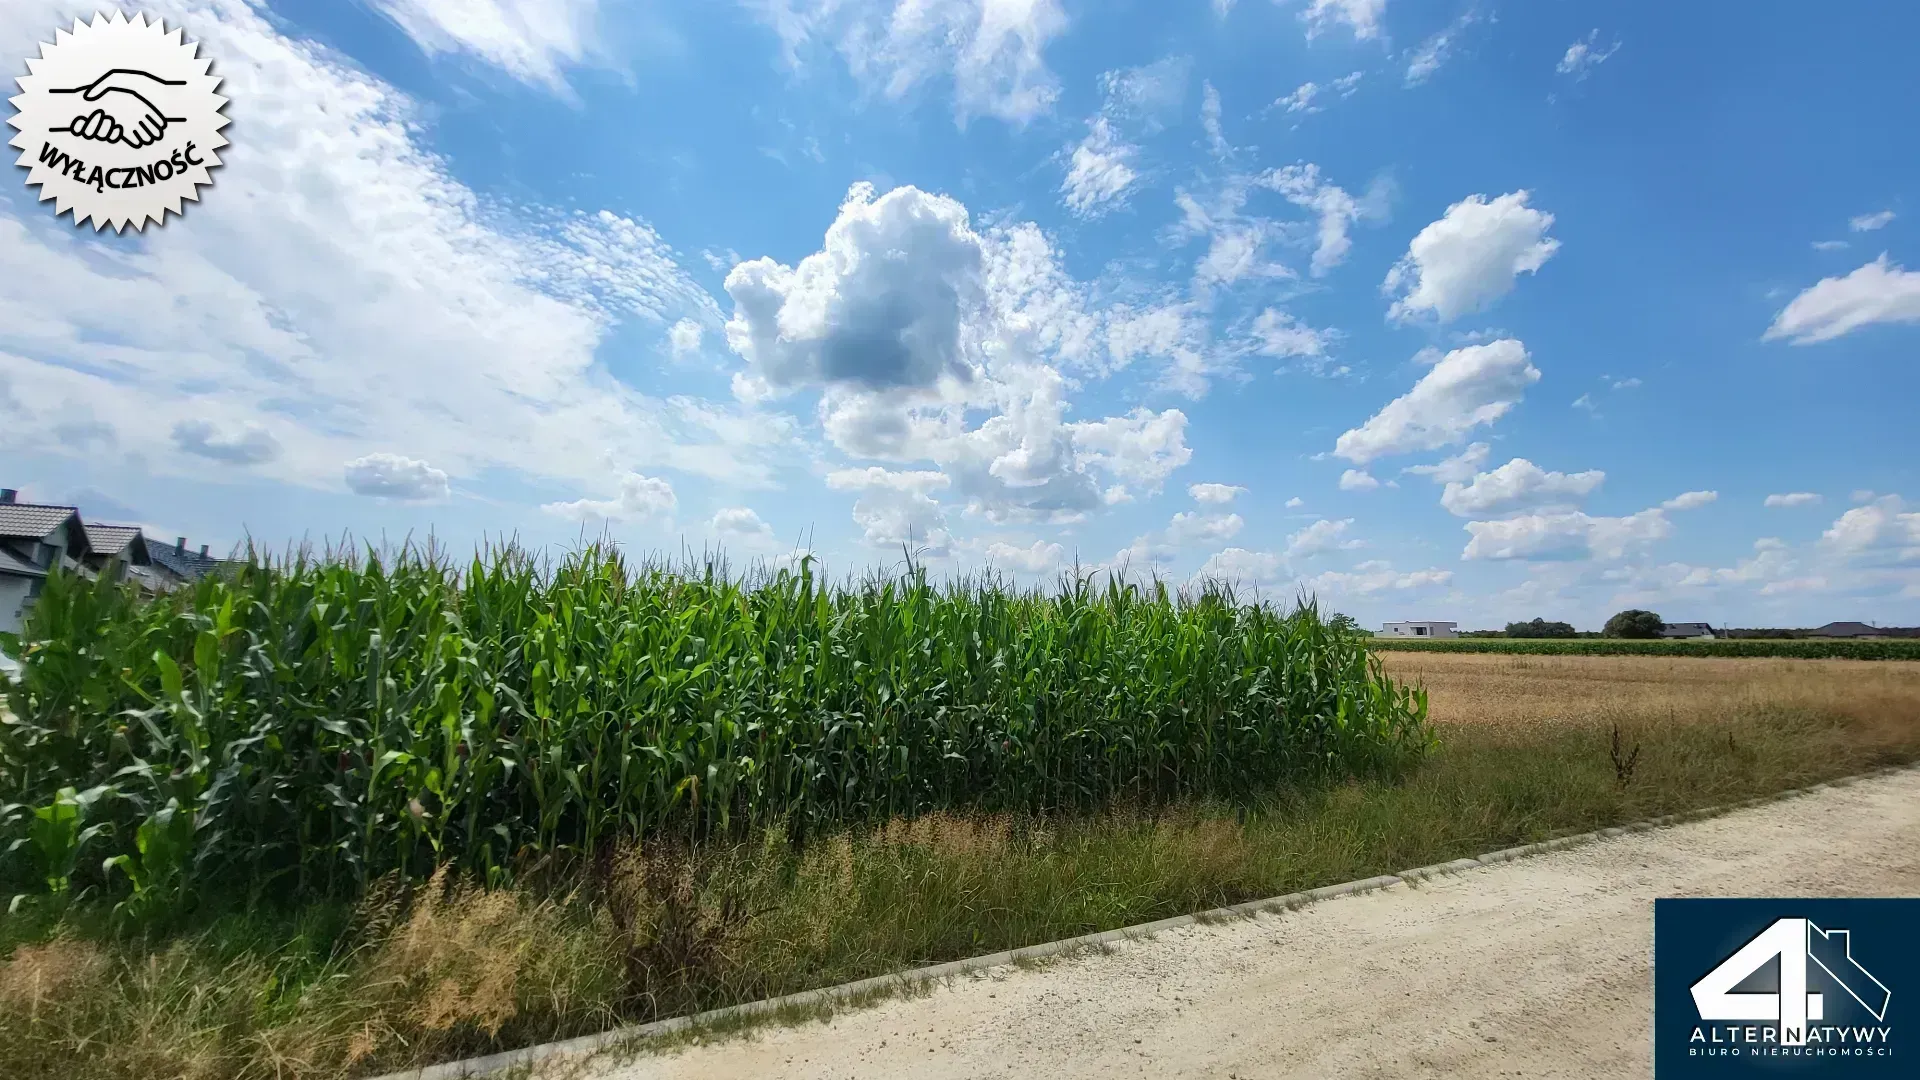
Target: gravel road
1535, 968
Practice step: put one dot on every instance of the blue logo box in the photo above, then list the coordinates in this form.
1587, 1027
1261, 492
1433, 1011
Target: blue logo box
1785, 988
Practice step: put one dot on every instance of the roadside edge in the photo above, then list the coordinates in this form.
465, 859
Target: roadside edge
880, 985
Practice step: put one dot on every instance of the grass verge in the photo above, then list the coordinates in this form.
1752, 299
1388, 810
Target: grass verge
451, 970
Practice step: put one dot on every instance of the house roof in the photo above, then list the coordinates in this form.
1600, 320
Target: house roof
32, 520
110, 539
12, 565
1845, 629
188, 564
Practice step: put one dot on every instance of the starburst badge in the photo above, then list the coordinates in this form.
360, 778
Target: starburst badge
118, 122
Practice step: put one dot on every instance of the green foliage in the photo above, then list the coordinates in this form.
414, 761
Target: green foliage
1804, 648
54, 833
1634, 623
335, 991
1540, 628
299, 728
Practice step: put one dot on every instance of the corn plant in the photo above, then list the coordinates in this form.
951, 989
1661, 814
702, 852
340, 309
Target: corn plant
306, 724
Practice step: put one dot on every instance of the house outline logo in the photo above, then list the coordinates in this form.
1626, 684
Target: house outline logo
1801, 947
118, 122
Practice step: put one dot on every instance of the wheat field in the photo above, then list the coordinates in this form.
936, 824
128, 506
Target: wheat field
1477, 688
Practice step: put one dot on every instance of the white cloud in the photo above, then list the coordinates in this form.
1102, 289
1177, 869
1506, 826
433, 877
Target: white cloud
1186, 529
1210, 113
1357, 480
1279, 334
1147, 95
1143, 446
1883, 527
1582, 56
741, 523
1565, 535
1460, 467
641, 498
1690, 500
1626, 384
1363, 16
1039, 558
1193, 527
1304, 96
1240, 566
391, 476
1870, 222
1879, 292
1301, 100
1320, 537
1238, 241
1470, 257
1303, 186
1517, 485
532, 40
342, 263
1830, 245
913, 324
244, 443
897, 508
994, 50
1436, 50
1585, 401
1296, 503
886, 303
1768, 568
1099, 173
684, 338
1176, 332
1215, 494
1373, 577
1470, 387
1795, 498
1812, 583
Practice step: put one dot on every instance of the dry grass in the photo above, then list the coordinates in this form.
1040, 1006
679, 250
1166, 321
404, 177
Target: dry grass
1506, 688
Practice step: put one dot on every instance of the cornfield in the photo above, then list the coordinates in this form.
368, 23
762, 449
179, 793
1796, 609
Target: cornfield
305, 725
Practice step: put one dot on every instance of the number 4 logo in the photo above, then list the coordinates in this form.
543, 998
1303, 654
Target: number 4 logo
1796, 942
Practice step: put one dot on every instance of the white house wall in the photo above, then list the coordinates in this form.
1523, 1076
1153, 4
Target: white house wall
13, 601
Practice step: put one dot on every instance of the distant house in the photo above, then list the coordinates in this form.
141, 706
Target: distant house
33, 540
119, 552
1687, 630
1846, 629
1419, 629
181, 565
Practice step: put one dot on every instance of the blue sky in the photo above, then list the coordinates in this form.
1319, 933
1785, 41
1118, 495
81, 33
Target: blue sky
1466, 311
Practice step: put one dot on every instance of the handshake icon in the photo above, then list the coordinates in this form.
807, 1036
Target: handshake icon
123, 108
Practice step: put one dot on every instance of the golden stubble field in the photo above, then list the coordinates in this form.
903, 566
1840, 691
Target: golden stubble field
1517, 689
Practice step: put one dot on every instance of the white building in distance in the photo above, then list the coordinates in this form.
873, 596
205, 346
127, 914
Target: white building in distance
1418, 629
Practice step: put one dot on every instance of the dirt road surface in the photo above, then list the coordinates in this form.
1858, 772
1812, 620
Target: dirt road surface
1535, 968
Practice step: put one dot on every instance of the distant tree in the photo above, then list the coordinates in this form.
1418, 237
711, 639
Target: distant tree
1540, 628
1344, 623
1634, 623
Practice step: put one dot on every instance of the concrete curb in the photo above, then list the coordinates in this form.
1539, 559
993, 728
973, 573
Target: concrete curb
492, 1063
